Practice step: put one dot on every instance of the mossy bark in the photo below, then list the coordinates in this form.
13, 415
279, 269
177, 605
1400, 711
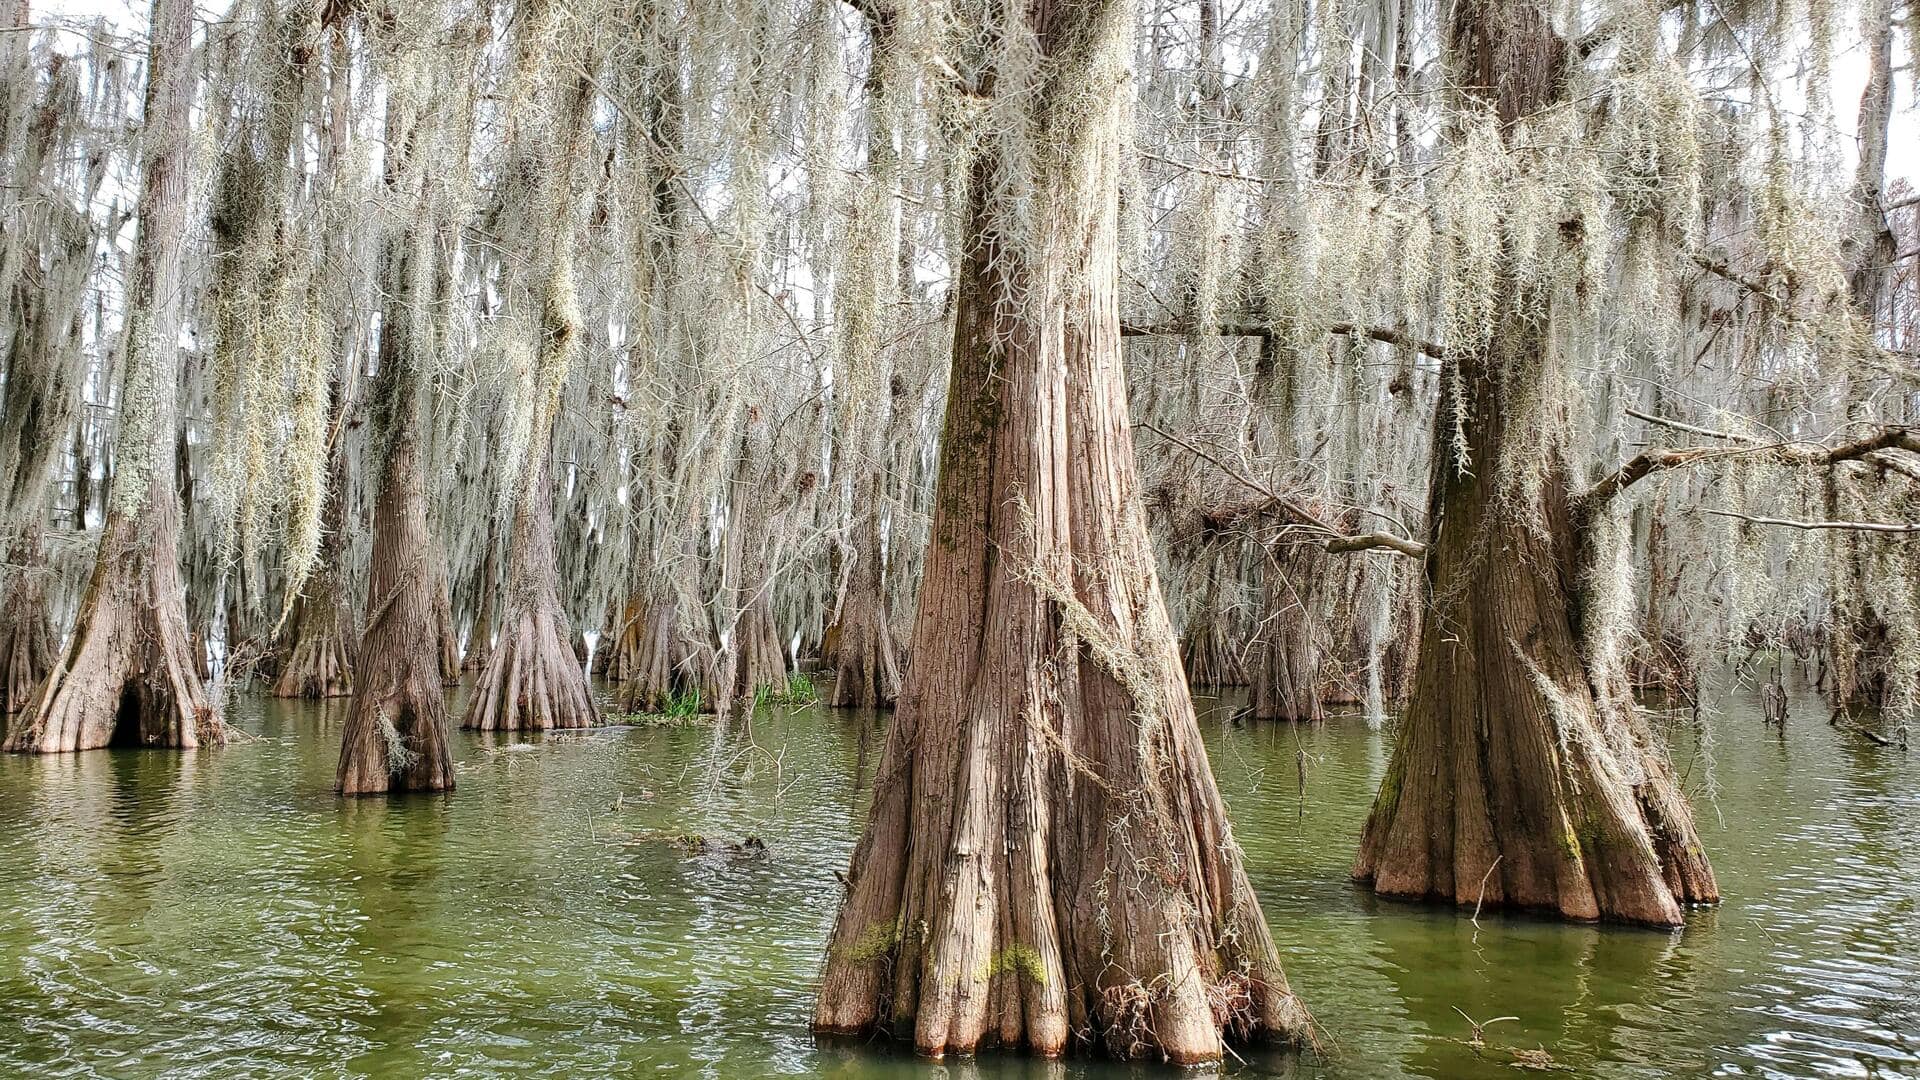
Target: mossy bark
1521, 776
866, 662
129, 674
1288, 679
1047, 858
395, 734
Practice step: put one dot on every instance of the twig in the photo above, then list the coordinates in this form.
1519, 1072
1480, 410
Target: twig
1480, 899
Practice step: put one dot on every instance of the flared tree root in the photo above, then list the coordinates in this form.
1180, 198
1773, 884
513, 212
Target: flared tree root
532, 681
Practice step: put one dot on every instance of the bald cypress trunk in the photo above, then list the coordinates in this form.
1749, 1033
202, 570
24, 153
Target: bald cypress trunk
129, 674
866, 664
1521, 776
320, 662
1047, 853
1861, 638
395, 734
41, 333
1289, 677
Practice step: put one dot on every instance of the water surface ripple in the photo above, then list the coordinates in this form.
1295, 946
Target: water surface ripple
578, 908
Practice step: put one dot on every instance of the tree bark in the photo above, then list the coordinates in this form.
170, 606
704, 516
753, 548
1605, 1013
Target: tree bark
395, 734
1046, 852
532, 679
866, 663
1860, 636
27, 644
1521, 777
1210, 652
655, 661
129, 674
1287, 683
320, 663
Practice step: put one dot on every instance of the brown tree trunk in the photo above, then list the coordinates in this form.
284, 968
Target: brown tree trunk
446, 628
656, 662
866, 663
320, 662
27, 643
480, 639
395, 734
759, 659
1520, 776
129, 675
1210, 653
1046, 852
532, 680
1860, 638
1287, 681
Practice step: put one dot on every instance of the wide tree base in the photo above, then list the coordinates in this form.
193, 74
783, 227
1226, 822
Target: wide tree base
866, 664
320, 665
532, 681
128, 679
1556, 803
27, 646
397, 741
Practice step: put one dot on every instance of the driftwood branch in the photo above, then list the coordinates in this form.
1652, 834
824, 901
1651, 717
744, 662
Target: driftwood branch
1690, 429
1374, 541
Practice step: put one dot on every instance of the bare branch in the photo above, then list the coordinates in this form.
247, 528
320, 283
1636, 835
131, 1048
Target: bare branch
1377, 541
1690, 429
1248, 328
1898, 528
1337, 542
1648, 462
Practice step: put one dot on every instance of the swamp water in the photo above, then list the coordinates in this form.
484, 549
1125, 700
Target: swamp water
222, 913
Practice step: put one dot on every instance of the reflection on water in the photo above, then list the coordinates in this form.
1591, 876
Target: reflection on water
589, 905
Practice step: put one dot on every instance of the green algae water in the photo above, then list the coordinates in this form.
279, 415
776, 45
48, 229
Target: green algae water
593, 906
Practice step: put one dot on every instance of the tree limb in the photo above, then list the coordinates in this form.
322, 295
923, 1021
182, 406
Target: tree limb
1377, 540
1855, 526
1337, 541
1244, 328
1648, 462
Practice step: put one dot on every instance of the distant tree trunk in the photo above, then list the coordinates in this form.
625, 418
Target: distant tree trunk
654, 660
1520, 777
1210, 653
128, 675
866, 665
863, 651
27, 644
446, 627
1047, 853
395, 735
480, 638
532, 679
1288, 676
1860, 638
320, 663
41, 331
